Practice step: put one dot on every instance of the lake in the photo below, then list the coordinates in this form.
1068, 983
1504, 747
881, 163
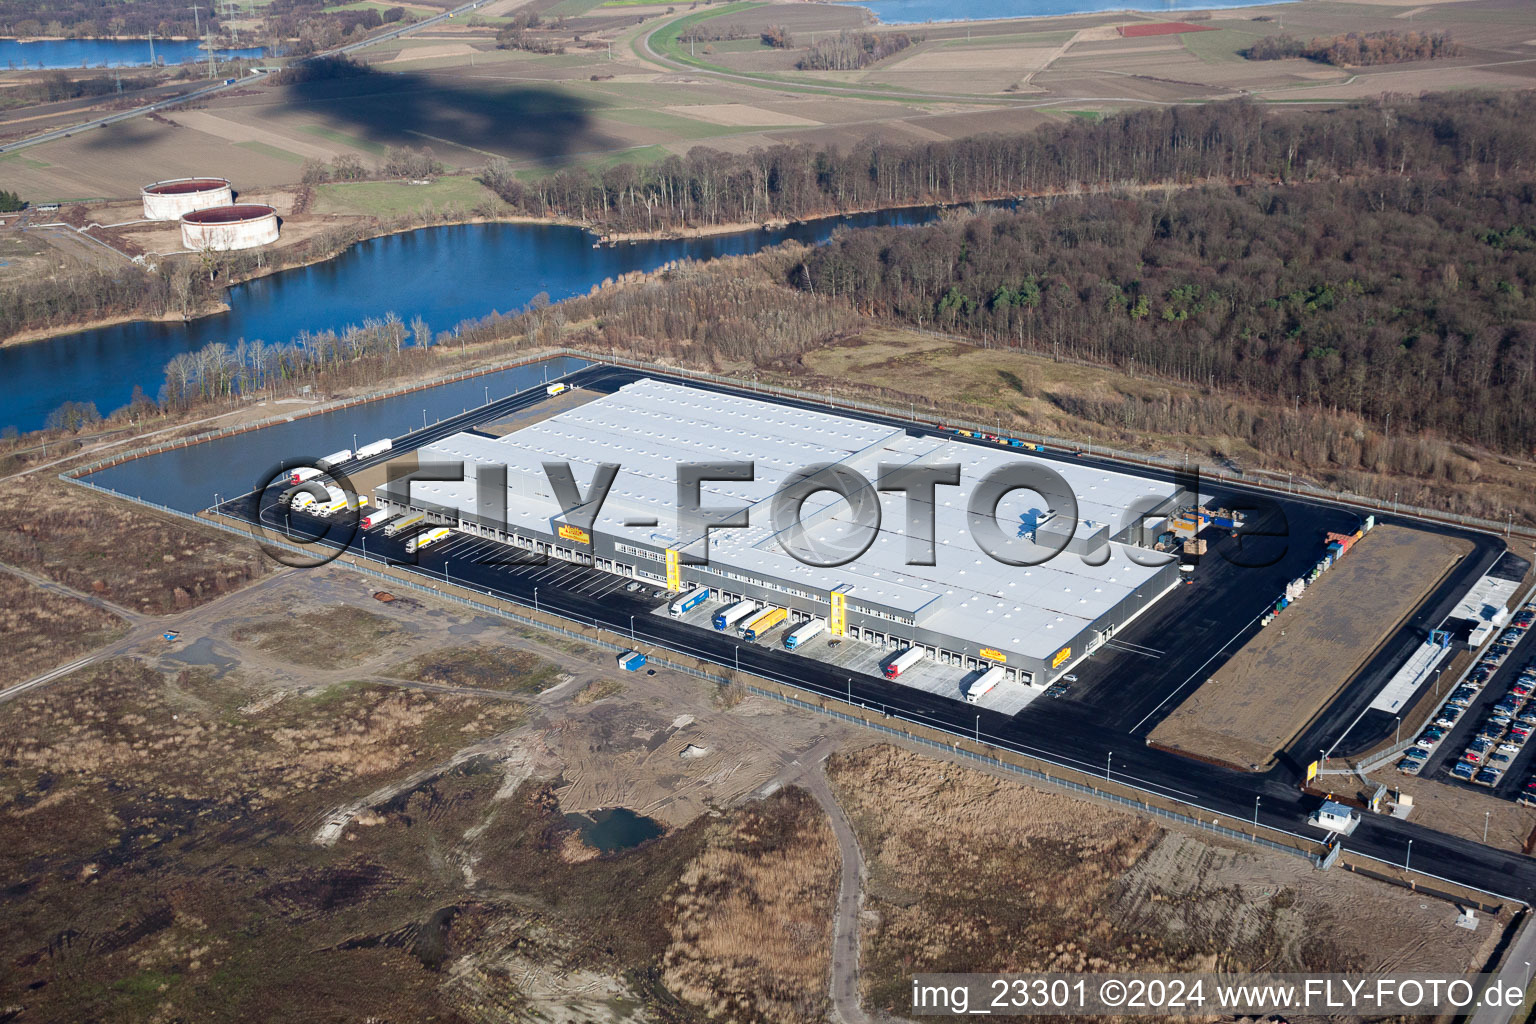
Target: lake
111, 53
445, 274
615, 828
912, 12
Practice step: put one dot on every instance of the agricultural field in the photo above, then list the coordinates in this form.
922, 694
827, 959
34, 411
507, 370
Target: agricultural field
966, 869
630, 85
1268, 691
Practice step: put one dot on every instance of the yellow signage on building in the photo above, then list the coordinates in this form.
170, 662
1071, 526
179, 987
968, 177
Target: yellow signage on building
991, 655
575, 533
674, 571
1061, 656
837, 622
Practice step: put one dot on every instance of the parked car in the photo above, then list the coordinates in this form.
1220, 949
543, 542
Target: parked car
1487, 777
1410, 766
632, 587
1521, 688
1463, 771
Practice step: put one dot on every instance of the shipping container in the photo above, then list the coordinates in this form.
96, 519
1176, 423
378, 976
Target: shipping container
631, 661
692, 599
728, 617
903, 661
805, 633
761, 625
555, 389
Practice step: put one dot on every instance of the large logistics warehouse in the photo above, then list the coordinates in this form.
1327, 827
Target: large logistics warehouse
966, 609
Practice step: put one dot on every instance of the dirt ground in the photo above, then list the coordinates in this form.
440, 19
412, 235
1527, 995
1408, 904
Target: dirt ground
76, 537
1271, 688
968, 872
1459, 810
453, 882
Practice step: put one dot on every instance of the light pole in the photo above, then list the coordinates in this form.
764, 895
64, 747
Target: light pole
1397, 736
1108, 759
850, 691
354, 443
631, 628
535, 600
487, 394
1486, 816
1408, 855
978, 728
423, 419
1256, 800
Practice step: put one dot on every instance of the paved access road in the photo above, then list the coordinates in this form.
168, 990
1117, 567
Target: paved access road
1099, 728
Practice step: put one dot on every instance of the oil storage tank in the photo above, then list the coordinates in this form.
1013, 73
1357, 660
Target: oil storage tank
222, 228
174, 197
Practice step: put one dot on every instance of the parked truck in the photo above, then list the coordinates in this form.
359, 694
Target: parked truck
374, 520
903, 661
405, 523
326, 509
337, 458
692, 599
301, 501
728, 617
430, 537
805, 633
378, 447
984, 682
554, 389
298, 476
763, 624
631, 661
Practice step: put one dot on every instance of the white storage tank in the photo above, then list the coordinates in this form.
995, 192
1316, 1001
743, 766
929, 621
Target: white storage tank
222, 228
175, 197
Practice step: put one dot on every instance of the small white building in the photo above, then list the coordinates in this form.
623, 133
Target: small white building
1335, 817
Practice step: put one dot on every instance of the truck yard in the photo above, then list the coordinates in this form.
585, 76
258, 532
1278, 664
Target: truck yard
1098, 711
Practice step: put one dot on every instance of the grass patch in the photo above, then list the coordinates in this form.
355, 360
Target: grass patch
394, 198
571, 8
26, 161
675, 124
1220, 46
342, 137
43, 629
275, 153
481, 668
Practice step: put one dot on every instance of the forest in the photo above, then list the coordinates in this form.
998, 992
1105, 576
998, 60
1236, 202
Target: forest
89, 19
850, 51
1409, 301
1236, 142
1355, 49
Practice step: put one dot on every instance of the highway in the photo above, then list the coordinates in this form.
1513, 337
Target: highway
221, 85
1100, 728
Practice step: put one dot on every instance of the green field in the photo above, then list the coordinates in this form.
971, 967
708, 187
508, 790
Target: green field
343, 138
272, 151
393, 198
1221, 45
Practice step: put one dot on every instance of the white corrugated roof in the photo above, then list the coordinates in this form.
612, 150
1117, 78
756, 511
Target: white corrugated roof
650, 427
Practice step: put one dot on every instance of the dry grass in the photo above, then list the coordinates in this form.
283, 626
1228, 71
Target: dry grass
43, 629
483, 669
1270, 689
752, 923
970, 873
596, 691
134, 557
